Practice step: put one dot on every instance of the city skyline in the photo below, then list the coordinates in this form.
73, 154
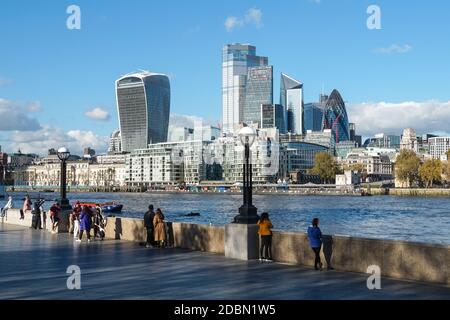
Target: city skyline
398, 64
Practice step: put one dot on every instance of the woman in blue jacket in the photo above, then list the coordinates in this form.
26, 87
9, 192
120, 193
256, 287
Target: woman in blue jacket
315, 240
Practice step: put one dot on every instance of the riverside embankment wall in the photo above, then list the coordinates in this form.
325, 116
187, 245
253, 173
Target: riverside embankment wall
396, 259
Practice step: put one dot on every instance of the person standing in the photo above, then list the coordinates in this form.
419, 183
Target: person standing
8, 205
265, 232
26, 207
159, 228
149, 216
98, 222
315, 241
54, 216
85, 223
76, 211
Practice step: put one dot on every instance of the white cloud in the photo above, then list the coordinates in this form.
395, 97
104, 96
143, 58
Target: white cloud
14, 116
232, 23
98, 114
253, 16
392, 118
52, 137
395, 49
180, 120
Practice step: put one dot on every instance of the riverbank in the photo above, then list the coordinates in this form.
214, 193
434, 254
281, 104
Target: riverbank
410, 192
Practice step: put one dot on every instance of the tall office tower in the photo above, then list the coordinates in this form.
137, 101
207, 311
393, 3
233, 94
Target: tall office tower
313, 116
335, 117
258, 91
236, 60
291, 97
273, 116
143, 105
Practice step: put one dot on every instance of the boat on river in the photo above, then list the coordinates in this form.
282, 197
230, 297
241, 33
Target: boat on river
107, 207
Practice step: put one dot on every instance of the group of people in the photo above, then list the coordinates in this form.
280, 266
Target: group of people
265, 232
39, 216
83, 219
156, 228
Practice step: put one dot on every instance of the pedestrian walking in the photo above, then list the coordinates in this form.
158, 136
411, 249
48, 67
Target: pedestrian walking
85, 223
159, 228
315, 241
265, 233
149, 216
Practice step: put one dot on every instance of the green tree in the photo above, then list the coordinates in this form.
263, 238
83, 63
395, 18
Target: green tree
431, 172
325, 166
407, 167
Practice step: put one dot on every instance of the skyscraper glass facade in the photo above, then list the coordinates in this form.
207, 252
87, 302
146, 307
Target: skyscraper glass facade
236, 59
335, 117
143, 105
313, 116
273, 116
291, 97
259, 91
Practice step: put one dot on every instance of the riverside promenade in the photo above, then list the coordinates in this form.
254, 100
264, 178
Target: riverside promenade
33, 266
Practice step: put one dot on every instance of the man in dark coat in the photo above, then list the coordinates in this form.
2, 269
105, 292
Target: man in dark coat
148, 223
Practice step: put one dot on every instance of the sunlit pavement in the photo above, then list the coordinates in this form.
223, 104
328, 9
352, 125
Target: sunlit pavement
33, 265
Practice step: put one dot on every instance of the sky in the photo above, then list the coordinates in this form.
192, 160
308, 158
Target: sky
57, 84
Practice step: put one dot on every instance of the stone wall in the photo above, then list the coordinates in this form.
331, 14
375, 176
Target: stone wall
12, 216
397, 259
181, 235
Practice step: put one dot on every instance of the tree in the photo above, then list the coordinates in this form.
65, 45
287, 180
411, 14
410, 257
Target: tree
431, 172
448, 155
325, 166
407, 167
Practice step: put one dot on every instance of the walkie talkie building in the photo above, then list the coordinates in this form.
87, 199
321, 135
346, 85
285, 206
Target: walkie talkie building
143, 106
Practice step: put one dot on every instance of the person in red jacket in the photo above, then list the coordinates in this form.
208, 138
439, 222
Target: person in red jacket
54, 216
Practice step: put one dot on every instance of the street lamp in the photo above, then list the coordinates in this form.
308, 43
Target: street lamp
248, 212
63, 155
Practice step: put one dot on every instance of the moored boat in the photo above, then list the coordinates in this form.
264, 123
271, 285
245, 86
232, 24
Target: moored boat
106, 207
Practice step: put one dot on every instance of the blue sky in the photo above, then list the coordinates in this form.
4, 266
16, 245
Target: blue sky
51, 76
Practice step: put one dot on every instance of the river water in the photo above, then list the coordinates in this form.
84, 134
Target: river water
414, 219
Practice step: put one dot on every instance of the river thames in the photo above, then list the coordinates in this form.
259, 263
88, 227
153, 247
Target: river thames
416, 219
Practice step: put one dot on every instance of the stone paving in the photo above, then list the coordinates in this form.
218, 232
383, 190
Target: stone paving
33, 265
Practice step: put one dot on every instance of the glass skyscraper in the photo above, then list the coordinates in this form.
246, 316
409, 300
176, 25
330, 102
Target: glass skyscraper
258, 91
236, 60
291, 97
335, 117
143, 105
313, 116
273, 116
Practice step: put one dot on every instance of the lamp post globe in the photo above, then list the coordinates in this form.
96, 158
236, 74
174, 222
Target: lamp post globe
63, 155
247, 135
247, 212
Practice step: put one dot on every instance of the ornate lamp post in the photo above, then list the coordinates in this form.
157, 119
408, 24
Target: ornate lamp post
247, 212
63, 155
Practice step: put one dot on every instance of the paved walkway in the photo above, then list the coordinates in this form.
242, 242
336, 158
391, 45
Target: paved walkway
33, 266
